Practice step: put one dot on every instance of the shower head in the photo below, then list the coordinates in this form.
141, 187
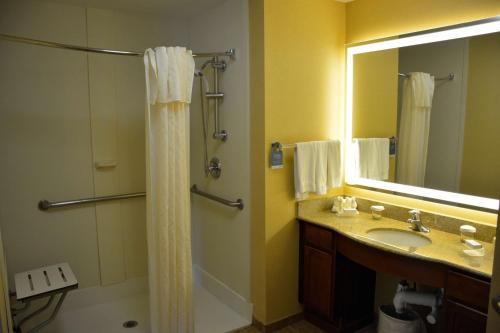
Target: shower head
199, 72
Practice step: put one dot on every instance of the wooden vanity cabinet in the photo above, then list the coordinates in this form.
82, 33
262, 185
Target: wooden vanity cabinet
466, 302
337, 283
463, 319
318, 278
336, 292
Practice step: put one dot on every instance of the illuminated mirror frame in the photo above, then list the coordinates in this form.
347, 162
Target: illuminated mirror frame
473, 29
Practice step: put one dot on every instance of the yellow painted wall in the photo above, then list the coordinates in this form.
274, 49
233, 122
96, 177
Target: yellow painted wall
375, 97
370, 19
304, 57
297, 97
480, 173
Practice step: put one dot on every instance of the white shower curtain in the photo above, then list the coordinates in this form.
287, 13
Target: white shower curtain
418, 90
169, 78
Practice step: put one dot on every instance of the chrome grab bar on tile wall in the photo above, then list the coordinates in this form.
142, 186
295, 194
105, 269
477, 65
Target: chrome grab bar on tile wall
238, 203
46, 205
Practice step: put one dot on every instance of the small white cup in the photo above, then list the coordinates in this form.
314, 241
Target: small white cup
377, 212
467, 232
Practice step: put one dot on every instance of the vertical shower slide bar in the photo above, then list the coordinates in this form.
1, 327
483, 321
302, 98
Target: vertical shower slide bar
218, 133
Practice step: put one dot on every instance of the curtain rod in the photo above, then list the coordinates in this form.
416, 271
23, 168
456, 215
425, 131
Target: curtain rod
12, 38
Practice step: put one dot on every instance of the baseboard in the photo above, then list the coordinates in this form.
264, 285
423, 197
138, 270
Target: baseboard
223, 292
328, 326
277, 325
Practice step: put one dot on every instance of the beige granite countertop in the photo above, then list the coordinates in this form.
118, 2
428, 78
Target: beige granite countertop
445, 248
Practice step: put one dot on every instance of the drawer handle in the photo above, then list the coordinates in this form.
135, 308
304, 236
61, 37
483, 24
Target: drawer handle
495, 303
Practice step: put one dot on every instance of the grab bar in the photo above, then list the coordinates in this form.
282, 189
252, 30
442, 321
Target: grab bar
238, 203
46, 205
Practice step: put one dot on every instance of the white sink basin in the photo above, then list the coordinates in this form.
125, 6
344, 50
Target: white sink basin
398, 237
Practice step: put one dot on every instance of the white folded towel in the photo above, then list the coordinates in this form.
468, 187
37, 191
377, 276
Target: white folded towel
334, 167
371, 158
316, 167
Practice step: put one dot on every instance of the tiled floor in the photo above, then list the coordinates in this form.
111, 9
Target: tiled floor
302, 327
298, 327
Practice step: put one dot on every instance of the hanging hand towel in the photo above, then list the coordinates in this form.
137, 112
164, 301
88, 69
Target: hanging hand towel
316, 167
371, 158
334, 168
304, 169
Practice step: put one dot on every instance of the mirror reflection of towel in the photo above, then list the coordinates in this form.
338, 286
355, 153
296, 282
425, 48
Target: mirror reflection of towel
371, 158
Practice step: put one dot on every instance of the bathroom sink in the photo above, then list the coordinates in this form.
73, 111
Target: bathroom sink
397, 237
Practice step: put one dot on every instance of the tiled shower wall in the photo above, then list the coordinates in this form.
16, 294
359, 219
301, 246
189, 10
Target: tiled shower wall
60, 113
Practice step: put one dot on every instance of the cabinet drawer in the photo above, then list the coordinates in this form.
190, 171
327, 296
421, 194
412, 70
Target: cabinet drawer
318, 237
468, 290
461, 319
318, 279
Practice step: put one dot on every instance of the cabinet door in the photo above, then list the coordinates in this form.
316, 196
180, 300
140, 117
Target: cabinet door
462, 319
317, 281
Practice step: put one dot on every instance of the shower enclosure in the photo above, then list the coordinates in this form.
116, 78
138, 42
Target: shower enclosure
72, 127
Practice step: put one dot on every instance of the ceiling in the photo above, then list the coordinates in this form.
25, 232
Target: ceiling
166, 7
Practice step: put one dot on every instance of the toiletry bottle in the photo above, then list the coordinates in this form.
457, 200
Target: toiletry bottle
354, 203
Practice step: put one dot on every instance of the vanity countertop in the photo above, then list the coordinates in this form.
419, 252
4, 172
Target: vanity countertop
446, 247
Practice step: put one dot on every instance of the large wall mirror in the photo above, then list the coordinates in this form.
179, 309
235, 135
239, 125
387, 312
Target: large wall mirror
423, 115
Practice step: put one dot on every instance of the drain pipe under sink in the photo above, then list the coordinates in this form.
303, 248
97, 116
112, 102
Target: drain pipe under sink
406, 296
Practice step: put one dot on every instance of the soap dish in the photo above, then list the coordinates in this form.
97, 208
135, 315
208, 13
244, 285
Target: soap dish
475, 257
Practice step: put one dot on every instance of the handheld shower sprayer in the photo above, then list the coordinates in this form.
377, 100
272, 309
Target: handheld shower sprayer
212, 167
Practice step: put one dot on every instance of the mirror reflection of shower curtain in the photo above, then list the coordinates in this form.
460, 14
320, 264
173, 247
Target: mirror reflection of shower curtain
169, 80
418, 90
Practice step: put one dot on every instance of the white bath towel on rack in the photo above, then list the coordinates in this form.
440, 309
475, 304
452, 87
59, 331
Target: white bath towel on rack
316, 167
334, 167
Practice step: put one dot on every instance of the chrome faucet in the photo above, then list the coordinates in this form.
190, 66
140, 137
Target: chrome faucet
414, 220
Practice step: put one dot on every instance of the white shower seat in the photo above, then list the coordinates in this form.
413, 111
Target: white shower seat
43, 282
